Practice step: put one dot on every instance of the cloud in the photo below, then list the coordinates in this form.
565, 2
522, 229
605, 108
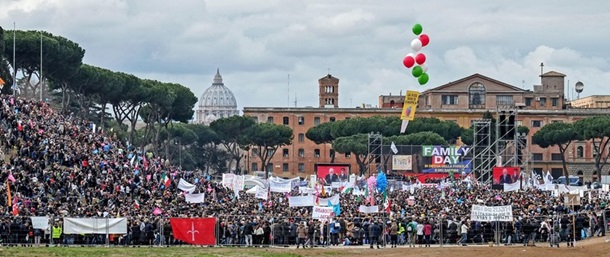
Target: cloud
257, 44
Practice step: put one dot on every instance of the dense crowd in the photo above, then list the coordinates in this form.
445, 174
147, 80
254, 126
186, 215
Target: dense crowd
59, 165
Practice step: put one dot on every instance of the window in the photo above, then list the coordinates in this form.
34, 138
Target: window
505, 100
348, 154
332, 119
301, 152
536, 123
556, 157
580, 152
285, 167
255, 119
301, 167
542, 101
555, 101
301, 120
528, 101
254, 151
476, 96
269, 119
331, 153
316, 121
347, 118
270, 167
285, 153
537, 156
254, 166
316, 153
301, 137
449, 99
286, 120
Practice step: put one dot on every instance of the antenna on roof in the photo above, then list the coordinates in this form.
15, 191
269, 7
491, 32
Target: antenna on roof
295, 99
541, 68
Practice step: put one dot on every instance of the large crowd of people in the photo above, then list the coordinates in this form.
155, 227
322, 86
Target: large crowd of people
58, 165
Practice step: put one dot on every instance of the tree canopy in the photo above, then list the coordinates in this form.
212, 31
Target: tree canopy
266, 138
557, 134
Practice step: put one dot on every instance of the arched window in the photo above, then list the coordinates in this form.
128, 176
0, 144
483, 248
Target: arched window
476, 96
392, 103
580, 152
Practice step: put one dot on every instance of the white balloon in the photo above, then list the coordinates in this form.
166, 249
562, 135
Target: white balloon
424, 67
416, 44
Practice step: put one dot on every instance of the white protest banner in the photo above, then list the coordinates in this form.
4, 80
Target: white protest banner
238, 183
227, 180
280, 187
368, 209
41, 222
186, 186
95, 226
332, 200
194, 198
512, 187
306, 190
301, 201
491, 213
322, 213
402, 162
261, 193
313, 180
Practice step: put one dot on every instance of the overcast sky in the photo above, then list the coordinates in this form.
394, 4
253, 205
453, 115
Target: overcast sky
256, 44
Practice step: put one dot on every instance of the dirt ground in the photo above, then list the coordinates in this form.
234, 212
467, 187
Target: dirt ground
588, 248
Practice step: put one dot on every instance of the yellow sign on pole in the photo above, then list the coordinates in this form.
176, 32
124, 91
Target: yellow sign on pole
410, 104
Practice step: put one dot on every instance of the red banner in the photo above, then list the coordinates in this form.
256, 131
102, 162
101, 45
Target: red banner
196, 231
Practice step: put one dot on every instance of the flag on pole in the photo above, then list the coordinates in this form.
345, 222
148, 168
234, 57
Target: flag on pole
11, 178
137, 204
9, 198
394, 148
166, 180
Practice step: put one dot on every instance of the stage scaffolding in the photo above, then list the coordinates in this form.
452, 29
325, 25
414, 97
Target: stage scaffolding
483, 150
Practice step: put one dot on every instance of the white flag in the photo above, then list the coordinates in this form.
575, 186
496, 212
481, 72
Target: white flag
194, 198
393, 147
403, 126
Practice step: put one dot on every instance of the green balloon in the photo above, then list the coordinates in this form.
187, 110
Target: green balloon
417, 29
423, 79
417, 71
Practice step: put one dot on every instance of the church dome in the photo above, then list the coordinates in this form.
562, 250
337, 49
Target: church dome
218, 95
216, 102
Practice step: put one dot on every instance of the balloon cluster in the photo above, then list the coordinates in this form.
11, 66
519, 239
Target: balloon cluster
417, 60
382, 182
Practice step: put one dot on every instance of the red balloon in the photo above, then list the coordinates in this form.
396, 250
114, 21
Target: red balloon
420, 58
408, 61
424, 39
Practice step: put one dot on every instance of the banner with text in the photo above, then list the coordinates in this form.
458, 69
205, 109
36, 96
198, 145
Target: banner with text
280, 187
446, 159
368, 209
491, 213
301, 201
95, 226
402, 162
322, 213
409, 105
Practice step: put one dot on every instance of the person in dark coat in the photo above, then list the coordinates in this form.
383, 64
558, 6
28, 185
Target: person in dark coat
374, 233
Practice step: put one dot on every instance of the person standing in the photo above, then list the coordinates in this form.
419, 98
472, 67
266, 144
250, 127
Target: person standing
374, 233
427, 233
464, 232
301, 235
394, 234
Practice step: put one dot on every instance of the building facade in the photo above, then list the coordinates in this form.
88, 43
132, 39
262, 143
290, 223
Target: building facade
461, 101
594, 101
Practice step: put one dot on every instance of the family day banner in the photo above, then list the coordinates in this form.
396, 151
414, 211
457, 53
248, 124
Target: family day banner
438, 158
491, 213
322, 213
